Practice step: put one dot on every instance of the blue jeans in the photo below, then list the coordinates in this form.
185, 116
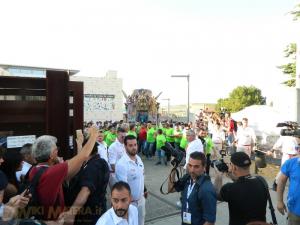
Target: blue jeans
230, 140
148, 149
161, 155
141, 147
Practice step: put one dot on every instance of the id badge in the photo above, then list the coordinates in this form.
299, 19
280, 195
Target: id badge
187, 218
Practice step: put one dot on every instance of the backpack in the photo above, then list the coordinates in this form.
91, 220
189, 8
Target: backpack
30, 211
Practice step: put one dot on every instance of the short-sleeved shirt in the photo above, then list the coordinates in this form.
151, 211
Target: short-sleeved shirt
291, 168
132, 133
110, 138
247, 200
143, 134
208, 145
183, 142
3, 181
160, 141
178, 139
103, 150
115, 152
94, 175
169, 133
131, 172
110, 217
49, 190
106, 133
150, 135
194, 146
246, 136
288, 145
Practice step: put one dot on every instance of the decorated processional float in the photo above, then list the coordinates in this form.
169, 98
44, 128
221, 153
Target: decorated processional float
141, 106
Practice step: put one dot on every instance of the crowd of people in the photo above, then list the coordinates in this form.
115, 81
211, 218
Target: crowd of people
38, 187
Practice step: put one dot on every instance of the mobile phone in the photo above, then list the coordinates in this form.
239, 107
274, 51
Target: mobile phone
27, 192
79, 133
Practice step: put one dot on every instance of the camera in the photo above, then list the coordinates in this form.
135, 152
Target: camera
220, 165
176, 153
291, 130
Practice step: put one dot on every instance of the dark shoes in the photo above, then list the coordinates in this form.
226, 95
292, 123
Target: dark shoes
158, 163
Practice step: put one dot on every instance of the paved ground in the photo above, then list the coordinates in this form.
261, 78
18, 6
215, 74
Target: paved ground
162, 210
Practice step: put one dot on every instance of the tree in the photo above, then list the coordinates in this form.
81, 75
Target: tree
296, 12
290, 68
290, 52
241, 97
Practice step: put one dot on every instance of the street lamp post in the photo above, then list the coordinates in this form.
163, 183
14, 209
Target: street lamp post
188, 83
168, 99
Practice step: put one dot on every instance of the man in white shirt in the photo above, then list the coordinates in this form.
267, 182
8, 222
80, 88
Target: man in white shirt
245, 138
28, 161
102, 147
122, 212
194, 145
289, 147
130, 169
115, 151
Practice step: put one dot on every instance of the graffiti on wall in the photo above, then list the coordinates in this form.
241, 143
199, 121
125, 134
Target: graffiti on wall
99, 102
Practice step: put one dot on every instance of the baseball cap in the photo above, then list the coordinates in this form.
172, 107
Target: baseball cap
292, 151
240, 159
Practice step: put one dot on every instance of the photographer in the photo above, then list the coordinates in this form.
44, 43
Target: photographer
198, 197
246, 196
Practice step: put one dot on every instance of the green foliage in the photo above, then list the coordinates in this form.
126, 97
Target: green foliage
296, 12
289, 69
290, 52
241, 97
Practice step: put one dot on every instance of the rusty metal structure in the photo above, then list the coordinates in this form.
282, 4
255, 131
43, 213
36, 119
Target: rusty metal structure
51, 105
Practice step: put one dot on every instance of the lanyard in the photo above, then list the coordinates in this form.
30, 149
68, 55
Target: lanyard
189, 191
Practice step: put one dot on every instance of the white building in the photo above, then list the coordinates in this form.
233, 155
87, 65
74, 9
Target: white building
103, 98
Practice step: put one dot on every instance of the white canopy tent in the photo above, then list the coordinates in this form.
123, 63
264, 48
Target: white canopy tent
263, 119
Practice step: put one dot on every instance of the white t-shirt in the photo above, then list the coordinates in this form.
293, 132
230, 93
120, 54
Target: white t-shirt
102, 150
218, 135
110, 217
245, 136
131, 172
25, 168
115, 151
194, 146
287, 145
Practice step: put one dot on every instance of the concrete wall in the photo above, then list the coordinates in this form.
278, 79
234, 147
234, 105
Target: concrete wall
103, 98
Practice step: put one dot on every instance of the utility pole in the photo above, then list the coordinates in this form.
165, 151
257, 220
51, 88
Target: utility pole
168, 99
188, 90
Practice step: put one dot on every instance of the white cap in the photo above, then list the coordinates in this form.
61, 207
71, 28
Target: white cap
293, 151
